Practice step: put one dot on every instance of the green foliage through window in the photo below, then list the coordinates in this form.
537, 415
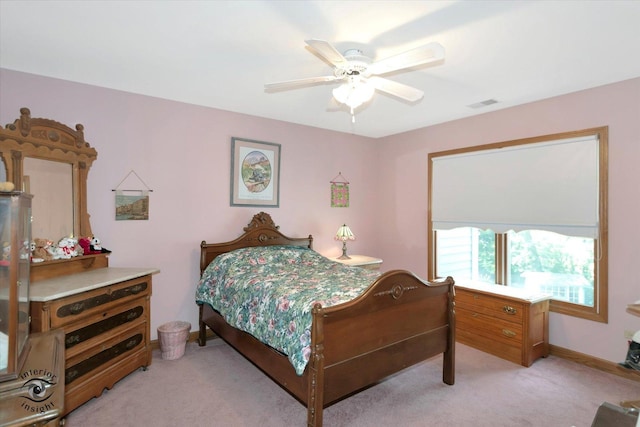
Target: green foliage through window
540, 261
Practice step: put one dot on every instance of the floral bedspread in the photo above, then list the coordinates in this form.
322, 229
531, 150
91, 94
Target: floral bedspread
269, 292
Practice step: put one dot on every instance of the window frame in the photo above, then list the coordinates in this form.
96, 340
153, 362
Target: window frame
599, 312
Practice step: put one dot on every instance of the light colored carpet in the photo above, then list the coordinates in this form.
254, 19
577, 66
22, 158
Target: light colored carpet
215, 386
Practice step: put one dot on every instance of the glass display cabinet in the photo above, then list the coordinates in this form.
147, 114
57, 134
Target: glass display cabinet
15, 259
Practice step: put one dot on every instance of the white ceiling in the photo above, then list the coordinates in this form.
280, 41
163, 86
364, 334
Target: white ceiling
221, 53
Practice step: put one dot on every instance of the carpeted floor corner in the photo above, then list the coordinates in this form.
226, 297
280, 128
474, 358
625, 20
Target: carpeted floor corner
215, 386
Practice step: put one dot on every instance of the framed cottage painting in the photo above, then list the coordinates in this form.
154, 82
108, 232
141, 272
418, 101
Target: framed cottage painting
255, 173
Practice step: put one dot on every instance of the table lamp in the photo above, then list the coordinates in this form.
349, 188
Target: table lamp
344, 234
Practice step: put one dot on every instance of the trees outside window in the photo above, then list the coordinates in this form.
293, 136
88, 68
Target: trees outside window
536, 260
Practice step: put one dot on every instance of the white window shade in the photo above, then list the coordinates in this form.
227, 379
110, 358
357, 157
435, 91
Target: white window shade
549, 186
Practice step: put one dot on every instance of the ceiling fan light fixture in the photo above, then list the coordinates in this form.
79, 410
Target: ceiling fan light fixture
354, 93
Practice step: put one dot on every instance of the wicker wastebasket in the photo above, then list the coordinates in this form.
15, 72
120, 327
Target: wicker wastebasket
173, 337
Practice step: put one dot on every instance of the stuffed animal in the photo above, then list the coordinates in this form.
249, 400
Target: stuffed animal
6, 254
79, 249
67, 248
96, 246
7, 186
54, 251
58, 250
91, 245
85, 244
75, 248
26, 249
41, 250
32, 248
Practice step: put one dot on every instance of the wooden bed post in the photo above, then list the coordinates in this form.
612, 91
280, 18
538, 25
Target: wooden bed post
315, 397
202, 335
449, 362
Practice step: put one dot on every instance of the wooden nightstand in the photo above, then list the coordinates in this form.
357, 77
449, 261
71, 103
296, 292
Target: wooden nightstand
507, 322
362, 261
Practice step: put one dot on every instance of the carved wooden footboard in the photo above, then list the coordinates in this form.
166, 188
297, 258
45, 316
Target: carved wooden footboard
397, 322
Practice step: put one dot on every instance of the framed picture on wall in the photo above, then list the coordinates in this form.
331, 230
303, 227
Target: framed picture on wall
255, 173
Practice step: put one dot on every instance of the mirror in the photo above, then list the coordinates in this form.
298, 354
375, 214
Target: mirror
51, 161
52, 209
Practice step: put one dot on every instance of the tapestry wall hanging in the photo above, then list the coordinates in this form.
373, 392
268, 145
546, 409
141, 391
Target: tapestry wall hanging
339, 192
132, 204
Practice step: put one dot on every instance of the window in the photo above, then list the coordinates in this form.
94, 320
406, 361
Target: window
529, 214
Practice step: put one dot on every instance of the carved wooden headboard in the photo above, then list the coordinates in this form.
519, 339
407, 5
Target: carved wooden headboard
261, 231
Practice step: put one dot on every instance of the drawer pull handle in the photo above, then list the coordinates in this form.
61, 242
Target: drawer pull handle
509, 310
137, 289
508, 333
72, 340
77, 308
70, 375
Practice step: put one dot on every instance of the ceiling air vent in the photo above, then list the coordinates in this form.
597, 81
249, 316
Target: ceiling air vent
483, 103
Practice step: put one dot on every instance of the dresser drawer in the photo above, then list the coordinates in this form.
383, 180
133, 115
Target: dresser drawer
106, 353
490, 327
497, 307
70, 309
506, 351
93, 329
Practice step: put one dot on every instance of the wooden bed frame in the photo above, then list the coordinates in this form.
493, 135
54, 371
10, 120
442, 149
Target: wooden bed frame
397, 322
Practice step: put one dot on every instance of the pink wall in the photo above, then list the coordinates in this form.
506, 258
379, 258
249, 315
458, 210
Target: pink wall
183, 153
404, 181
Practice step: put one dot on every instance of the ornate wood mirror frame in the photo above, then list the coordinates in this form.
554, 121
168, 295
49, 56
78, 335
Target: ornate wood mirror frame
47, 139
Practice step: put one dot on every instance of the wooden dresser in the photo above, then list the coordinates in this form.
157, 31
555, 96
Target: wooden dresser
507, 322
105, 315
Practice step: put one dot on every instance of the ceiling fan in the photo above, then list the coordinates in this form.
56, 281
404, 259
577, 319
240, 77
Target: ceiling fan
361, 76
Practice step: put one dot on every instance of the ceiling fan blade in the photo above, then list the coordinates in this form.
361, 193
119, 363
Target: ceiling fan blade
394, 88
293, 84
419, 56
327, 51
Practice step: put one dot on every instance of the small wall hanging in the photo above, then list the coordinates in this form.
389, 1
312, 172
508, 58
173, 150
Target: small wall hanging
339, 192
132, 204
